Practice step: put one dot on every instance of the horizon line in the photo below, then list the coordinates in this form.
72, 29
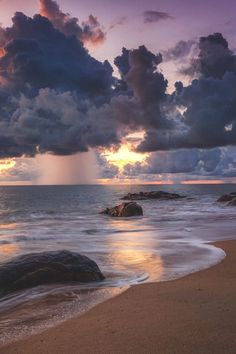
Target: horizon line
117, 184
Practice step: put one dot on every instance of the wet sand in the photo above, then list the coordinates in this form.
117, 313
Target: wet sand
194, 314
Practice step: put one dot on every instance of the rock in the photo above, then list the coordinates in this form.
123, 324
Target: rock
152, 195
36, 269
124, 210
227, 197
232, 202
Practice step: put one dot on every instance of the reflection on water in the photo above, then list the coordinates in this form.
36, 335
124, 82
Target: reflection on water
12, 226
168, 242
135, 251
151, 263
8, 250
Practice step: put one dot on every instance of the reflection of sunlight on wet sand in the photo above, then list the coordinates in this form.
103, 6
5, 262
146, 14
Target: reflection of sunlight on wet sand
135, 249
141, 259
8, 250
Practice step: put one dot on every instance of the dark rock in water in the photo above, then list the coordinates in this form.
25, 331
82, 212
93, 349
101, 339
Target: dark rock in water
232, 202
36, 269
152, 195
124, 210
227, 197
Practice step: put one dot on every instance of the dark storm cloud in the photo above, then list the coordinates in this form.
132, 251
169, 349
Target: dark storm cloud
51, 88
209, 119
89, 32
147, 84
209, 102
38, 54
60, 123
122, 62
150, 16
56, 98
139, 73
215, 58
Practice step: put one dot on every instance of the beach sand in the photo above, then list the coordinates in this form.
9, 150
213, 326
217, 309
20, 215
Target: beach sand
194, 314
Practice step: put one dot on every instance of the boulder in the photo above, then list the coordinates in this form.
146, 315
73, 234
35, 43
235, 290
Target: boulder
124, 210
232, 202
227, 197
35, 269
152, 195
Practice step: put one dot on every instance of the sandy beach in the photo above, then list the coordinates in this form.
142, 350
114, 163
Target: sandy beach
194, 314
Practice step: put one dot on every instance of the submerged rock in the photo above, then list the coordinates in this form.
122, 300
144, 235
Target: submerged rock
124, 210
36, 269
227, 197
152, 195
232, 202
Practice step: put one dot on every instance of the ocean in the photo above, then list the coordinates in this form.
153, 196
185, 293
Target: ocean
171, 240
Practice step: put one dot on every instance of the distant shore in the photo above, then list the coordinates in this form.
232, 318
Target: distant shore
194, 314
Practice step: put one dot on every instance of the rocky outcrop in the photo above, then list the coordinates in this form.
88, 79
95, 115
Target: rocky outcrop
124, 210
152, 195
227, 197
35, 269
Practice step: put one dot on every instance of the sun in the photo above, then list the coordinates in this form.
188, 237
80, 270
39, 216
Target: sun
124, 156
6, 164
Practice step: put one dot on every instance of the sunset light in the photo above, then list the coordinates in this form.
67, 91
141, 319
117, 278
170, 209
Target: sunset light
124, 156
6, 164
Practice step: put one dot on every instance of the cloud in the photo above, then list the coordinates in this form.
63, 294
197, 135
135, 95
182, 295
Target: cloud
120, 22
208, 121
23, 170
55, 122
106, 169
90, 32
139, 74
208, 103
180, 51
56, 98
150, 16
39, 55
217, 162
49, 83
147, 84
215, 58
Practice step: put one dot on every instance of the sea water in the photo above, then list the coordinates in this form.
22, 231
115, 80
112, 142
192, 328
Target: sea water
171, 240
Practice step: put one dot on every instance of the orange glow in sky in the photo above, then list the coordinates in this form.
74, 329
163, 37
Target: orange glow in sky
7, 164
202, 181
131, 181
123, 156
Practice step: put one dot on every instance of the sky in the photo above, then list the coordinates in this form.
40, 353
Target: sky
88, 91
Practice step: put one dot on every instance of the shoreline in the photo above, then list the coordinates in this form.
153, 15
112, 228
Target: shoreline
193, 314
